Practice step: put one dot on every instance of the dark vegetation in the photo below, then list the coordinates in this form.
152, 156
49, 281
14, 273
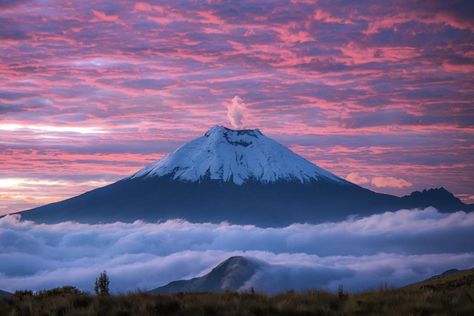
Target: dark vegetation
102, 283
451, 294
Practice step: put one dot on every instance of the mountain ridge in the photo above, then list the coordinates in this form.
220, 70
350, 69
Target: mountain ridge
235, 156
197, 182
229, 275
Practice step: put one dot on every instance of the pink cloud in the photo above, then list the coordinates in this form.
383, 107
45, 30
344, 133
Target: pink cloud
321, 15
383, 182
355, 177
101, 16
449, 19
295, 36
355, 89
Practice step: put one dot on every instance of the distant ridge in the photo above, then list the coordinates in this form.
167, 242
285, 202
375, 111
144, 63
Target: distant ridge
442, 198
229, 275
449, 279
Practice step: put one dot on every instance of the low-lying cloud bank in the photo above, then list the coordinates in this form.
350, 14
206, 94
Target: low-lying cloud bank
394, 247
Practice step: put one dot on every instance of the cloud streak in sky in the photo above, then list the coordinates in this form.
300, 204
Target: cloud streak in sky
397, 248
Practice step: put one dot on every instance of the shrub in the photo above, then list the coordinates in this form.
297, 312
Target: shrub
102, 284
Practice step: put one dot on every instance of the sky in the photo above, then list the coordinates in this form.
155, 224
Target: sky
380, 93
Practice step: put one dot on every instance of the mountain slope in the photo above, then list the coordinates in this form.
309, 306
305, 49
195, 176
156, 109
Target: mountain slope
246, 274
442, 198
235, 156
5, 294
230, 275
450, 279
240, 176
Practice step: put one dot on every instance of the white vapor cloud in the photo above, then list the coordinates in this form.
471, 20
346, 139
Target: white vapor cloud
236, 110
394, 247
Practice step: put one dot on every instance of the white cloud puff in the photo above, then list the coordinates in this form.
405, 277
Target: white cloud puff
393, 247
236, 112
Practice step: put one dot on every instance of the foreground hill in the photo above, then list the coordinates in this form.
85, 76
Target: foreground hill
246, 274
451, 295
229, 275
240, 176
450, 279
4, 293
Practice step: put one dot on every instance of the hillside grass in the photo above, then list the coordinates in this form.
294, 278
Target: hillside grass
450, 295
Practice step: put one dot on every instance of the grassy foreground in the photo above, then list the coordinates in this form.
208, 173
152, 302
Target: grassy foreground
450, 295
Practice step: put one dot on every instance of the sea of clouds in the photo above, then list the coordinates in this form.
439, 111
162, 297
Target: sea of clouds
394, 248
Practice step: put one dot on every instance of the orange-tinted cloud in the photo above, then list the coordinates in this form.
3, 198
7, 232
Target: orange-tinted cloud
355, 177
391, 182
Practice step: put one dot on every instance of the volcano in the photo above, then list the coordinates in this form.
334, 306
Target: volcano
238, 176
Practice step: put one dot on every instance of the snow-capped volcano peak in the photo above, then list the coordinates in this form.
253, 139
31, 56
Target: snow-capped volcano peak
237, 156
